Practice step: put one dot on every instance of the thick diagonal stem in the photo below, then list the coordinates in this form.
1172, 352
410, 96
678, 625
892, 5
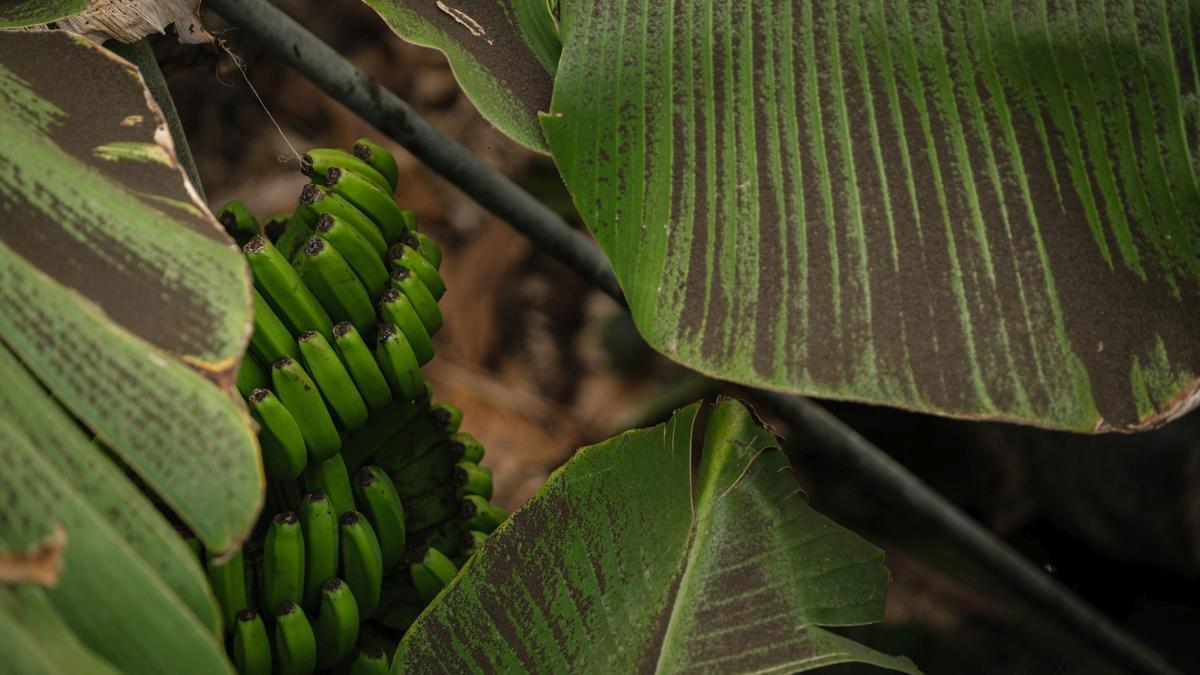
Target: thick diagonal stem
826, 434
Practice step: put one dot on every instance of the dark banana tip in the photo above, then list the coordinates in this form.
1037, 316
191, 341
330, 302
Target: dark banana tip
274, 229
365, 476
468, 509
286, 607
259, 395
314, 496
333, 175
283, 362
396, 251
307, 335
390, 295
466, 541
457, 450
387, 331
361, 151
314, 246
306, 163
341, 328
372, 652
350, 518
331, 584
324, 222
247, 615
400, 273
310, 195
420, 553
440, 416
460, 476
256, 244
410, 240
228, 219
286, 518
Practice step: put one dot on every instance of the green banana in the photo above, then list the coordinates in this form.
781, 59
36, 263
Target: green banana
363, 444
472, 541
370, 661
228, 581
297, 231
251, 645
250, 376
362, 561
335, 285
431, 570
333, 380
283, 561
329, 476
283, 290
337, 623
465, 448
380, 159
360, 363
316, 162
377, 498
426, 245
410, 219
433, 467
436, 505
395, 307
370, 199
479, 514
396, 359
422, 300
238, 222
318, 523
356, 250
299, 393
270, 340
318, 199
404, 255
295, 644
283, 450
274, 226
472, 479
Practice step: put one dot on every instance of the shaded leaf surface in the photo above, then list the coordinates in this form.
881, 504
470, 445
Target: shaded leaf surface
503, 52
20, 13
113, 275
611, 569
34, 639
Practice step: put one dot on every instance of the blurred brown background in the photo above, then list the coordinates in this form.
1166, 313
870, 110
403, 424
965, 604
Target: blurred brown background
541, 365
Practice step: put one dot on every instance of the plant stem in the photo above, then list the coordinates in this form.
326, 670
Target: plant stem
353, 88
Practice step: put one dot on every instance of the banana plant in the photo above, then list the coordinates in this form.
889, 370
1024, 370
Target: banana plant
979, 209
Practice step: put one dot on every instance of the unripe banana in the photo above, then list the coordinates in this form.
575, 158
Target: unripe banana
431, 570
403, 255
360, 363
370, 661
316, 162
436, 505
337, 623
367, 197
297, 231
422, 300
357, 251
238, 222
283, 561
446, 417
228, 581
295, 644
271, 340
283, 449
299, 393
283, 290
273, 227
377, 498
396, 308
362, 561
333, 380
317, 199
250, 376
335, 285
479, 514
472, 479
251, 645
318, 522
472, 541
380, 159
399, 364
465, 448
329, 476
426, 245
434, 467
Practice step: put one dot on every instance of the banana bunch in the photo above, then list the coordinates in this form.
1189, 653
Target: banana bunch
375, 498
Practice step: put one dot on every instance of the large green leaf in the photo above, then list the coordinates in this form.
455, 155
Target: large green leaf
504, 53
981, 209
129, 589
617, 565
20, 13
34, 639
116, 283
